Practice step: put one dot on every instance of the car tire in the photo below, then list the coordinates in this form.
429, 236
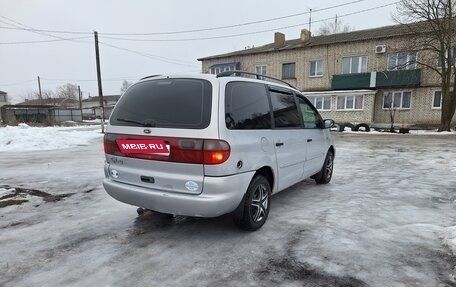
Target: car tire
347, 125
253, 210
341, 127
325, 174
362, 128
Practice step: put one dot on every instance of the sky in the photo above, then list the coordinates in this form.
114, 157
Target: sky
58, 58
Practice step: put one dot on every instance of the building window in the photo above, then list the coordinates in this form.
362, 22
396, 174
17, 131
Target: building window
397, 100
288, 71
218, 68
316, 68
453, 55
2, 98
350, 102
437, 100
402, 61
322, 103
356, 64
261, 69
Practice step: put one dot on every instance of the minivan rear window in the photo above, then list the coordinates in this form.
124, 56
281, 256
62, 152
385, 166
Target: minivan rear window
167, 103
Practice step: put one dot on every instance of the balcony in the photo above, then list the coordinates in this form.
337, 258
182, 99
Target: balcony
377, 80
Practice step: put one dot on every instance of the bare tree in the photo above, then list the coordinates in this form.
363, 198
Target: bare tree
329, 27
47, 94
34, 95
125, 85
433, 26
68, 91
30, 95
389, 103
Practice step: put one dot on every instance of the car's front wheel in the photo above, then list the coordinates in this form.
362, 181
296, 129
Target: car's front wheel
325, 174
253, 210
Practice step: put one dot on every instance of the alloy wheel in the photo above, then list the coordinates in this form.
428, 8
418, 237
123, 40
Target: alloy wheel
329, 166
260, 201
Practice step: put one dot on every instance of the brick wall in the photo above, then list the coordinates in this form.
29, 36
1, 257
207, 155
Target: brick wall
351, 116
421, 111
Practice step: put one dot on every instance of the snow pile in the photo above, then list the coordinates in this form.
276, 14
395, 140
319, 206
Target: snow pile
26, 138
4, 191
449, 238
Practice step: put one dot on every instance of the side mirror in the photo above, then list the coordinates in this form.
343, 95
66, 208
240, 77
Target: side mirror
328, 123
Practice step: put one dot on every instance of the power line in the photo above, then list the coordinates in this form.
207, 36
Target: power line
17, 83
92, 80
173, 61
114, 79
43, 41
235, 25
185, 31
46, 31
154, 57
247, 33
31, 29
132, 78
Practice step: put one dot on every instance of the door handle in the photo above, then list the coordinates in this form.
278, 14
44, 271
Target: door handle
309, 140
147, 179
279, 144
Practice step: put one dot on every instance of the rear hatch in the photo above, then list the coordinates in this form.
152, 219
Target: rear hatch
175, 112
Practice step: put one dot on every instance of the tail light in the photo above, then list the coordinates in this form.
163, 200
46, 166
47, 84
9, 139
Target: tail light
182, 150
215, 151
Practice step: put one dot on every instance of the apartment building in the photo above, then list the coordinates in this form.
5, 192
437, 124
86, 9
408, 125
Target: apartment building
359, 77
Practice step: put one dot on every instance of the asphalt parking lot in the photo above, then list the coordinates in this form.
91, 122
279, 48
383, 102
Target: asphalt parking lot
380, 222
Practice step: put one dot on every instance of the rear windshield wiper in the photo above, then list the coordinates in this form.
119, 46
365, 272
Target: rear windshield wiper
146, 123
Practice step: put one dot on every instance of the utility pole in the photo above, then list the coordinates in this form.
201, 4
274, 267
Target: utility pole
100, 89
80, 100
39, 88
335, 25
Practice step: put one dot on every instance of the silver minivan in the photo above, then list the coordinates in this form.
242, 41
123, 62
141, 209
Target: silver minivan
228, 142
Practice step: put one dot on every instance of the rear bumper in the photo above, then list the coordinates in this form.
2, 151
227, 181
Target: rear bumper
220, 195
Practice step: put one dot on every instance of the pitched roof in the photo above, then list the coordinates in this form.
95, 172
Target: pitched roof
369, 34
2, 92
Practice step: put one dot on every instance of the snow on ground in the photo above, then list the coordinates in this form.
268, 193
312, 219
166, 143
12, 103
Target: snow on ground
449, 238
26, 138
412, 132
386, 219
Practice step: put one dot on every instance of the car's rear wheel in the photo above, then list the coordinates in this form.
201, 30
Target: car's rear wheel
325, 174
253, 210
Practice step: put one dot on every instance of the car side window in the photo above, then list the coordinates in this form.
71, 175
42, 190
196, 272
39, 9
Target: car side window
284, 110
310, 117
246, 106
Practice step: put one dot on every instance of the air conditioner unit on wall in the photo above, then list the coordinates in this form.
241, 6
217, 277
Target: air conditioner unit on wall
380, 49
